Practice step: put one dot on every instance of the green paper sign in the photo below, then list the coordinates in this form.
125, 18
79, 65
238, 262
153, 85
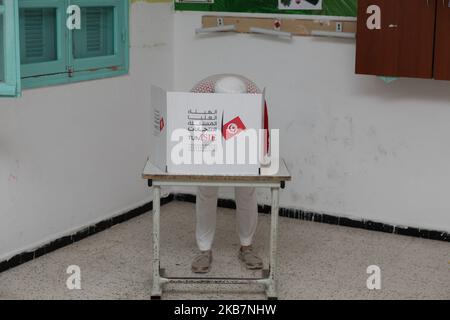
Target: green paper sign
339, 8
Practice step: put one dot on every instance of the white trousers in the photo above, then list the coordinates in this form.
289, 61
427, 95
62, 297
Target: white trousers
246, 215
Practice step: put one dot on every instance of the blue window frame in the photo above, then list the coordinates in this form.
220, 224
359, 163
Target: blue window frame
51, 53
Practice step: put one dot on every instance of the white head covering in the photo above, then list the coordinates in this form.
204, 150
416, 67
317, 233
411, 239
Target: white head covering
226, 83
230, 84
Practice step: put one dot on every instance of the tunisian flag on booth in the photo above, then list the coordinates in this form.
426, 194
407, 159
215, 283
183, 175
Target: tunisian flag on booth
233, 128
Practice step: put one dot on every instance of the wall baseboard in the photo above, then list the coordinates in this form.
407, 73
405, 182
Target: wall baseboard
71, 239
335, 220
222, 203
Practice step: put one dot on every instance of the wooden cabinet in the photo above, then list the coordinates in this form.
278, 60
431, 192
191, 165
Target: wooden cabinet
402, 45
442, 41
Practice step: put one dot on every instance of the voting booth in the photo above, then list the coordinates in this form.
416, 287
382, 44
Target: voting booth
214, 136
208, 133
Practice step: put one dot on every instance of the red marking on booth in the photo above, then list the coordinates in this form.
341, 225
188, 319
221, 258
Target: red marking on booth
233, 128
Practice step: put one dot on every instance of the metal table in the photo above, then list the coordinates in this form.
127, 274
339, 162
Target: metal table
158, 178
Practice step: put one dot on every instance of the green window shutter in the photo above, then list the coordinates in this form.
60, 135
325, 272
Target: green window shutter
42, 37
102, 41
9, 49
37, 35
96, 37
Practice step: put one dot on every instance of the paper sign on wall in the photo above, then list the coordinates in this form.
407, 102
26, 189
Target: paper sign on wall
194, 1
300, 4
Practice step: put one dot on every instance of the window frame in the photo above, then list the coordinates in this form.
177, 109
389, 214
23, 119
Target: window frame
11, 87
95, 71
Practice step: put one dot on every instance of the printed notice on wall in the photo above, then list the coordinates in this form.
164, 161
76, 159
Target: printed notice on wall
300, 4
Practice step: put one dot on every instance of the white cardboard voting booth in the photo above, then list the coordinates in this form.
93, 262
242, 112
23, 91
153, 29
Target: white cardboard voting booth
203, 133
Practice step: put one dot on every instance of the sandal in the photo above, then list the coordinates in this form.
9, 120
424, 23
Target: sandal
202, 262
250, 259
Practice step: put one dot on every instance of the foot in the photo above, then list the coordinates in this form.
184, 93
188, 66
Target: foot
202, 262
250, 259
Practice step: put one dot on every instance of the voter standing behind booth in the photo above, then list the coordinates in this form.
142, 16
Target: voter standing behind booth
246, 205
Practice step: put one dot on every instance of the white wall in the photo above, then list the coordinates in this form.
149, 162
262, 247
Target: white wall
355, 146
72, 155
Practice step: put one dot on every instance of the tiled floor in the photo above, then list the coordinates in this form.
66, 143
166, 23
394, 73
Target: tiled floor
316, 261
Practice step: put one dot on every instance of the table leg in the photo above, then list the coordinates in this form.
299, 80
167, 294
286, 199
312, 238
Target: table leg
272, 286
156, 291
